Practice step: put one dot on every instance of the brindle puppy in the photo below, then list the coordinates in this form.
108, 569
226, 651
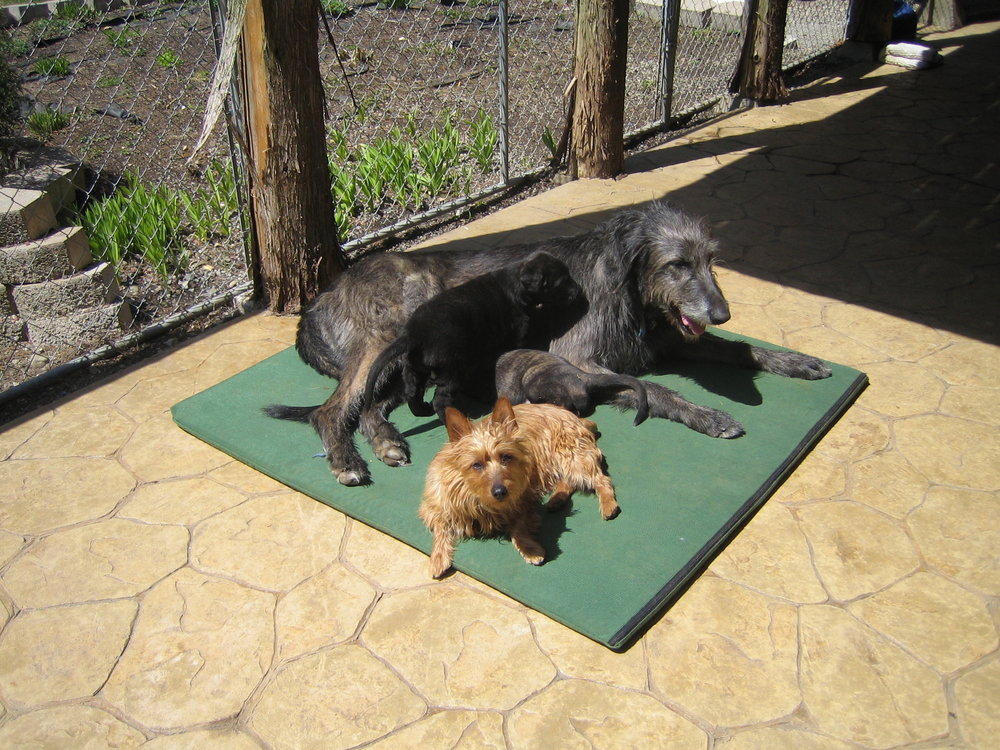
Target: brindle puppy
646, 274
453, 339
529, 375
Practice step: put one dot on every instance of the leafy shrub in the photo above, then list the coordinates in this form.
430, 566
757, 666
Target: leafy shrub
137, 221
168, 59
52, 66
45, 122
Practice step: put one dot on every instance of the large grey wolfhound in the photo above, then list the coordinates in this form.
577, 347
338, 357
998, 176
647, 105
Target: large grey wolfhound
647, 276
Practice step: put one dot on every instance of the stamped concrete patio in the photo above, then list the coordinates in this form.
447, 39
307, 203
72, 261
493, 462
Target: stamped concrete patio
156, 593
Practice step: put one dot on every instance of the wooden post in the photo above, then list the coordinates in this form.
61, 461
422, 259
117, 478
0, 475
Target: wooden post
871, 21
599, 109
758, 75
291, 200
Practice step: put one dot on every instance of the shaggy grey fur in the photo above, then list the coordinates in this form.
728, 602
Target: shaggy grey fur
647, 276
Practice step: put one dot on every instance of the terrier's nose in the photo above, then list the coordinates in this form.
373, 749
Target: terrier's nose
499, 492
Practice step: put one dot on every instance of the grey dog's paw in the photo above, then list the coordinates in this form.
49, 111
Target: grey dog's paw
392, 453
814, 369
352, 477
718, 424
796, 365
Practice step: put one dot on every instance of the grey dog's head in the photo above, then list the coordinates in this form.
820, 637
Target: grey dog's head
677, 256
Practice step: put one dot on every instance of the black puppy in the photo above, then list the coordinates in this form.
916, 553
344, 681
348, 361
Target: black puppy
453, 340
529, 375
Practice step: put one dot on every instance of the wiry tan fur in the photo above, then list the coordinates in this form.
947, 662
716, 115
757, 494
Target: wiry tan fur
490, 477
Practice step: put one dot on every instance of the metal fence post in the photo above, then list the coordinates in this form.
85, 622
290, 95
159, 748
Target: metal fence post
502, 44
671, 11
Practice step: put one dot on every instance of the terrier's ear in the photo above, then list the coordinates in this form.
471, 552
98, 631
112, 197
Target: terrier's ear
503, 413
457, 424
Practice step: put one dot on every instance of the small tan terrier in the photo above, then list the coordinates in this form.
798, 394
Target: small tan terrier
490, 477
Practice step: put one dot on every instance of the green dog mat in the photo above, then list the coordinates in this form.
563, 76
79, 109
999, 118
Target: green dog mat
683, 495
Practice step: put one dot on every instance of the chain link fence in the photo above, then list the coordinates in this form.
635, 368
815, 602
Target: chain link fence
107, 228
111, 232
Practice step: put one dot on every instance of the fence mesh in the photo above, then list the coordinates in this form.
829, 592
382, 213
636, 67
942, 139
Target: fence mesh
109, 228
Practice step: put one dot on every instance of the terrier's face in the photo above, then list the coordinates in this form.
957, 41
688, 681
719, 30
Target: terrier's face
491, 459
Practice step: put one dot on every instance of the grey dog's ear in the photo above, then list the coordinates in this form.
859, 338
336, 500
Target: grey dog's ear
456, 423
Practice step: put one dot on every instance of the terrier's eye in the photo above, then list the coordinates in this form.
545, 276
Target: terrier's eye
477, 466
506, 458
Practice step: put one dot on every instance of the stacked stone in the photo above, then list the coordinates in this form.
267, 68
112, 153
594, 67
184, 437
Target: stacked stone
55, 296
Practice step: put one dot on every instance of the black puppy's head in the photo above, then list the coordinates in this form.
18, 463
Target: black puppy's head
546, 282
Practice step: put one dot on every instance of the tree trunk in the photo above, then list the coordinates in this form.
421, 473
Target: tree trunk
942, 14
599, 109
871, 21
292, 205
758, 75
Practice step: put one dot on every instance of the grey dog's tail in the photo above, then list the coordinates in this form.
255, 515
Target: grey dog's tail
293, 413
614, 384
392, 356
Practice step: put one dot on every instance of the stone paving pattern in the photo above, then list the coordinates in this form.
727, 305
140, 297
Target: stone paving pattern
156, 593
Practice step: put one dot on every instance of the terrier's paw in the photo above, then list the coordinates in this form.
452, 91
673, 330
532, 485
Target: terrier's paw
557, 502
439, 568
613, 513
532, 552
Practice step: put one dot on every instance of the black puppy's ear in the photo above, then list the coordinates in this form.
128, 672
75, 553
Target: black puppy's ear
533, 274
503, 413
456, 423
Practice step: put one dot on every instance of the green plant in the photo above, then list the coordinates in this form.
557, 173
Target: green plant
550, 142
370, 177
136, 220
74, 11
210, 209
52, 28
344, 188
45, 122
338, 148
394, 4
107, 82
484, 139
120, 39
439, 153
11, 46
168, 59
336, 8
52, 66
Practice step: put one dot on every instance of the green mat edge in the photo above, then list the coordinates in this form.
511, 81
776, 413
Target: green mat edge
674, 588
